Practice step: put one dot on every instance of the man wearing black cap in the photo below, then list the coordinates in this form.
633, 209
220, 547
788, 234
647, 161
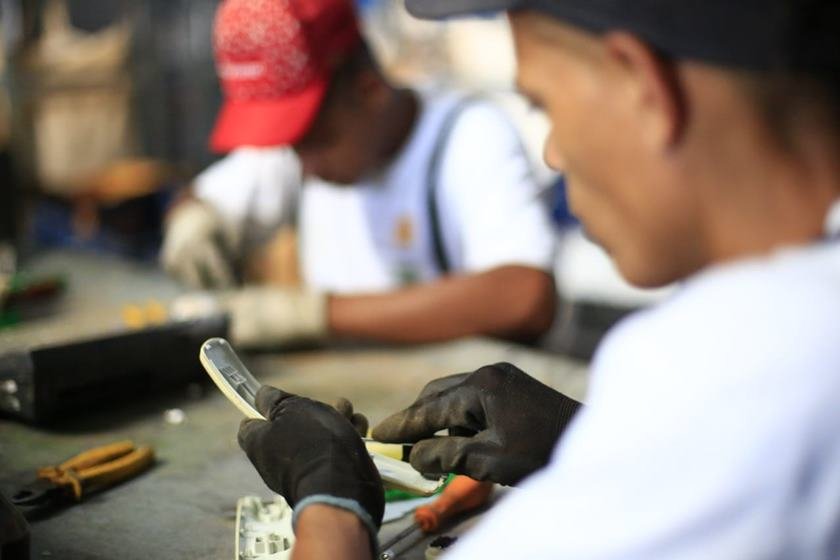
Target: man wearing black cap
700, 141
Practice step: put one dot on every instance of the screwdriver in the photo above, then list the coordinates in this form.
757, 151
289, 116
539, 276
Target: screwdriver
461, 494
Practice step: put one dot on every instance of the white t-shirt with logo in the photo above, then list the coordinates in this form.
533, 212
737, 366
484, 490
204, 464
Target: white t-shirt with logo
711, 430
377, 235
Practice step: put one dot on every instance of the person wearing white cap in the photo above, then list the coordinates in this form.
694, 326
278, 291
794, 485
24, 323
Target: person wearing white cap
418, 214
700, 144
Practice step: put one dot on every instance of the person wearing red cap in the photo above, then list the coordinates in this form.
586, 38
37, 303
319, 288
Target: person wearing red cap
700, 141
414, 209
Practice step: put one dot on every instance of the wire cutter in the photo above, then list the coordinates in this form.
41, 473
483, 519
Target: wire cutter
84, 474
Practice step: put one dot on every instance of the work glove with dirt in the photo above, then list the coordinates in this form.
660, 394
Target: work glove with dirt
272, 316
310, 453
503, 424
261, 316
197, 247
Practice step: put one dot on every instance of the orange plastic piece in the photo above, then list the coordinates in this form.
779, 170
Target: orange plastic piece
461, 495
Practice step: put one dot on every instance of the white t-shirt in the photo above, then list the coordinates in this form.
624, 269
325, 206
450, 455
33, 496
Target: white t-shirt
711, 431
377, 235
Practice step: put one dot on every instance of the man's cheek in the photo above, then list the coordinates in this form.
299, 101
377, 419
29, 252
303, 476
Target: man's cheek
552, 154
573, 195
582, 206
587, 204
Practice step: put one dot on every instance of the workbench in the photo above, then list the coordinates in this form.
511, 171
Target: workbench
184, 507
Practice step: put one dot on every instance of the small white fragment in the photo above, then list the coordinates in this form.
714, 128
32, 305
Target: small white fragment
174, 416
9, 386
193, 306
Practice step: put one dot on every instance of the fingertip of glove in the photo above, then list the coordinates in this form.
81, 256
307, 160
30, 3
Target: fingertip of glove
344, 407
383, 432
246, 428
268, 397
423, 457
360, 422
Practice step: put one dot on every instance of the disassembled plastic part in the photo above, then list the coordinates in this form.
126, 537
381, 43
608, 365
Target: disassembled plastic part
263, 530
240, 387
402, 476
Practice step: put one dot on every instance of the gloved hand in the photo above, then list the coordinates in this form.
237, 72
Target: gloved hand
268, 316
359, 420
196, 249
309, 453
508, 423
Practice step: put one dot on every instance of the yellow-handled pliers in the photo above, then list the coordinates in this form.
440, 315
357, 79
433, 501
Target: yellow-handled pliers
83, 474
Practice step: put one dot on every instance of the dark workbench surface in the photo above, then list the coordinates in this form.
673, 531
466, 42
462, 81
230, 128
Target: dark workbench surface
184, 507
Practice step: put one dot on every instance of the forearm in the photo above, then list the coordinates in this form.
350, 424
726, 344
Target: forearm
514, 302
328, 532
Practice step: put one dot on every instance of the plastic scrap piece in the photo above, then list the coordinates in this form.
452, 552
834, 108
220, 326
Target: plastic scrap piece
263, 529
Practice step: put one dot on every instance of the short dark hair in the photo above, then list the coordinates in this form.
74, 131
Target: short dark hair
817, 49
810, 78
788, 100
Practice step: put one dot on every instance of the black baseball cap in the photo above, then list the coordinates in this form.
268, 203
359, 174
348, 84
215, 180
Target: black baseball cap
750, 34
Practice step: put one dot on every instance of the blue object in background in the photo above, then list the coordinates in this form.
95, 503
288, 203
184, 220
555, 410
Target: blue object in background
365, 4
560, 213
132, 228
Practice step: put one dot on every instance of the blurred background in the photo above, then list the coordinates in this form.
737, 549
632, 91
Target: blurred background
106, 107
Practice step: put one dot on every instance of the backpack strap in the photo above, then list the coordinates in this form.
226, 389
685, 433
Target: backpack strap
433, 182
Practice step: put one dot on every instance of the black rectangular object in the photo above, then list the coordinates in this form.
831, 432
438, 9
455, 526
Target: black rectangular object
43, 384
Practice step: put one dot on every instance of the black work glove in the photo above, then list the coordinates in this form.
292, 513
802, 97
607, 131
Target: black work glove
359, 420
310, 453
508, 423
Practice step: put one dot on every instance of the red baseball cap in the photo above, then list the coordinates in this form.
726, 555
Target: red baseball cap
274, 59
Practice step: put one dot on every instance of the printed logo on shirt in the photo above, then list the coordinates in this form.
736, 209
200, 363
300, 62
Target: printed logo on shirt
404, 232
403, 238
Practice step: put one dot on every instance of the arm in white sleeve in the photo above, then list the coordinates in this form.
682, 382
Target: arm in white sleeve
709, 432
254, 190
489, 193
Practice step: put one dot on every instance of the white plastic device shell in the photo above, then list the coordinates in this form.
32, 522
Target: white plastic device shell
240, 387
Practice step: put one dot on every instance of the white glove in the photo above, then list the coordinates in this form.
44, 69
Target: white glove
266, 316
196, 250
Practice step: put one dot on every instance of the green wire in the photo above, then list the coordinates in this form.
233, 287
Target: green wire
394, 495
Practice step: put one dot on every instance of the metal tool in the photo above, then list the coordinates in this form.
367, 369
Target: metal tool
461, 495
438, 547
86, 473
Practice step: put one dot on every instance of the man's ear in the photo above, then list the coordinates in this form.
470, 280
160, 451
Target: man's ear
655, 87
